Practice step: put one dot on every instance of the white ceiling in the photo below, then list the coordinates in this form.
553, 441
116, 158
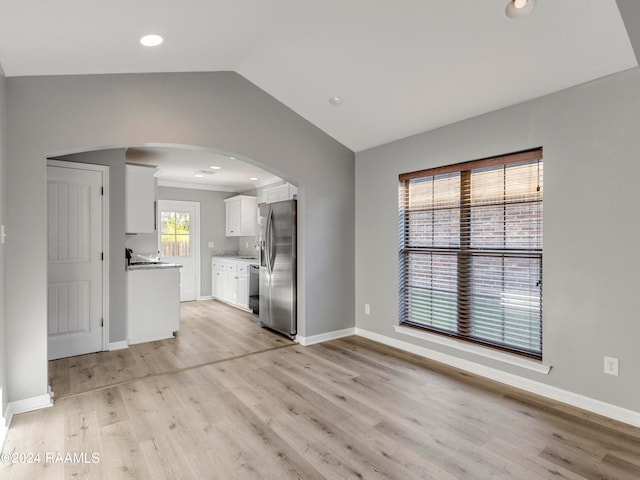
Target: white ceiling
401, 66
177, 168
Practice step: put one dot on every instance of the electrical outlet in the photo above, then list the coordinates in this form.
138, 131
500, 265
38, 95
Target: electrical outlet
3, 234
367, 309
212, 245
611, 366
246, 244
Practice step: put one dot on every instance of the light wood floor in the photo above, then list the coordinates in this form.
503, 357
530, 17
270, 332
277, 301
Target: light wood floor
348, 408
210, 332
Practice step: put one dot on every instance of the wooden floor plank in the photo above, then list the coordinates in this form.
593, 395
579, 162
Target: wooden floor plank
228, 399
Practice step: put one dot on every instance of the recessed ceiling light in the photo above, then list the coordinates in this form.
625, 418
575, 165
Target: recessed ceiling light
335, 101
253, 178
519, 8
198, 175
151, 40
232, 158
215, 167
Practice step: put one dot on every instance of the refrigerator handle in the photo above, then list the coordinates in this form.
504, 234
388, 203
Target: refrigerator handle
272, 248
263, 256
268, 241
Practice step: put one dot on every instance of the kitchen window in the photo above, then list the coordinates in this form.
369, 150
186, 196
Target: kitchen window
471, 251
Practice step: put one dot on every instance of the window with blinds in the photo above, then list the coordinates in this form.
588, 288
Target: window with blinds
471, 251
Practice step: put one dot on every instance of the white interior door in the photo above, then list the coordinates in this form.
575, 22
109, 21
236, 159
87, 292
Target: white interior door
75, 261
179, 242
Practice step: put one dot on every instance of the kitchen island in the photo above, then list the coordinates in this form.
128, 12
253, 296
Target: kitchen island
153, 301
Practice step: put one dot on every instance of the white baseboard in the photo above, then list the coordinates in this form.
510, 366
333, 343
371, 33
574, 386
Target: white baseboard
5, 423
324, 337
204, 297
22, 406
574, 399
122, 345
32, 403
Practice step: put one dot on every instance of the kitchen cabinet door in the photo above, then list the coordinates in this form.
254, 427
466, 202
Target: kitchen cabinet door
219, 280
240, 216
232, 217
242, 299
232, 286
279, 193
140, 199
238, 289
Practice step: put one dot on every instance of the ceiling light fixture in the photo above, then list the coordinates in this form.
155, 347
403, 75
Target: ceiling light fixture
202, 173
335, 101
519, 8
215, 167
253, 178
232, 158
151, 40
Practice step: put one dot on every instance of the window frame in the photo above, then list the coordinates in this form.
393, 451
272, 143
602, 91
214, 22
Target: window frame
464, 252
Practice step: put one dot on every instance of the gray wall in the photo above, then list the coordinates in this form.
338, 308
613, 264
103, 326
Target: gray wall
591, 263
3, 217
220, 111
115, 160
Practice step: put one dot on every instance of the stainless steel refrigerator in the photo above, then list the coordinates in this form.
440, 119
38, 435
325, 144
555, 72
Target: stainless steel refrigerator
278, 260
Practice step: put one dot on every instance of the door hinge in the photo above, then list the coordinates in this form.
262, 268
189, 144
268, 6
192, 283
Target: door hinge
101, 190
102, 256
102, 322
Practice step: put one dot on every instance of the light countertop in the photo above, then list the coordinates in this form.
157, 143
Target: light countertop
238, 259
153, 266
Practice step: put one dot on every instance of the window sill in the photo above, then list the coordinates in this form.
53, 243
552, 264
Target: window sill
503, 357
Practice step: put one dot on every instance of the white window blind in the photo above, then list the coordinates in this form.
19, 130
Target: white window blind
471, 251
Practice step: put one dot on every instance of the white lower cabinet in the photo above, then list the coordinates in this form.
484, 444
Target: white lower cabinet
243, 291
219, 279
230, 281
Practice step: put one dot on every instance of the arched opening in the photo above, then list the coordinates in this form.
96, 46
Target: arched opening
176, 169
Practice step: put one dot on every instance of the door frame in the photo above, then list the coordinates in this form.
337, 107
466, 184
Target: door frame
104, 170
195, 237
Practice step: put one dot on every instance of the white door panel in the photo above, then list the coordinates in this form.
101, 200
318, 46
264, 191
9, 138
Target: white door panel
69, 307
75, 293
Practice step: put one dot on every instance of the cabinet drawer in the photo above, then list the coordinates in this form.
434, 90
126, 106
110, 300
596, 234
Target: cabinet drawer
218, 265
243, 268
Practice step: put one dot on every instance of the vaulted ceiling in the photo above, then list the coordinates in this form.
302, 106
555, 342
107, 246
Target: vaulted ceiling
401, 67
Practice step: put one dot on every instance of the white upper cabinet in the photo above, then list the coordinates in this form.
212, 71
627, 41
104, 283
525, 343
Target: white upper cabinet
241, 216
140, 201
279, 193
